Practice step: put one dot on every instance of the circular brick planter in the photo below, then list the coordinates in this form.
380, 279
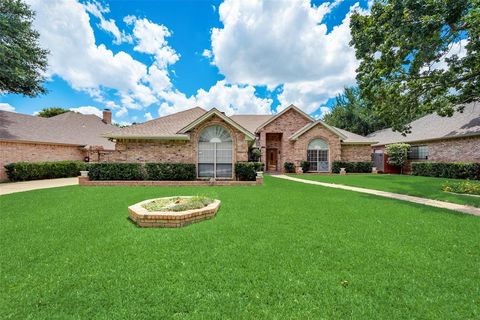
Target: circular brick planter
170, 219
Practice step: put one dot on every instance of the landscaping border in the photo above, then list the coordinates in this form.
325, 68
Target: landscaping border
85, 181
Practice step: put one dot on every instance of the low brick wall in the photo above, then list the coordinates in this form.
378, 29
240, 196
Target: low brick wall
85, 181
144, 218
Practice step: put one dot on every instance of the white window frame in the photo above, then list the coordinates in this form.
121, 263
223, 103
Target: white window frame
215, 149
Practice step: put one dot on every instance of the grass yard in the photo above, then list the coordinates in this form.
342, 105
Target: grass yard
284, 250
426, 187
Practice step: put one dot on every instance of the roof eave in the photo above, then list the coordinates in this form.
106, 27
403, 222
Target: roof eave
132, 137
430, 139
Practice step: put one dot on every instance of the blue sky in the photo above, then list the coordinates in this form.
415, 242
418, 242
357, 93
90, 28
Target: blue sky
143, 59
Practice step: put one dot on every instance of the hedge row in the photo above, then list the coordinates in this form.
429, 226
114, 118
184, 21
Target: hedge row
352, 167
140, 171
453, 170
247, 171
24, 171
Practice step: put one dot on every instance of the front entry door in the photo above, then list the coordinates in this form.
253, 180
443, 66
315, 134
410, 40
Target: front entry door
272, 159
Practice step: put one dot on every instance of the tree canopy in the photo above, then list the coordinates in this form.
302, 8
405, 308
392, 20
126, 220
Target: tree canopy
351, 113
417, 57
23, 62
51, 112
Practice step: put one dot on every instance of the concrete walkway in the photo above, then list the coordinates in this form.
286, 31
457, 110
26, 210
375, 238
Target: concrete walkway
424, 201
12, 187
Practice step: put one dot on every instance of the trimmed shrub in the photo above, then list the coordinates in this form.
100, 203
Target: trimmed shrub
289, 167
170, 171
453, 170
466, 187
305, 166
24, 171
116, 171
247, 171
352, 167
398, 154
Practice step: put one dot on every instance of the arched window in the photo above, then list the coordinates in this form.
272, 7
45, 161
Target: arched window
215, 149
317, 155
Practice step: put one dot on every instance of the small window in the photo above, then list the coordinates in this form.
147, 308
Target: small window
418, 153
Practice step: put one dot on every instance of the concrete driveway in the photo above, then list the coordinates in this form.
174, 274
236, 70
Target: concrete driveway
12, 187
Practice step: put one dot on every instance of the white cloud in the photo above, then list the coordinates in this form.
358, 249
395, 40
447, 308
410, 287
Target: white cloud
64, 27
207, 53
148, 116
97, 10
232, 99
6, 107
456, 49
285, 42
150, 39
88, 110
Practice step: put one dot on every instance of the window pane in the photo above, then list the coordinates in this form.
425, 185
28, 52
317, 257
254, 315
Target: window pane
317, 144
205, 170
224, 170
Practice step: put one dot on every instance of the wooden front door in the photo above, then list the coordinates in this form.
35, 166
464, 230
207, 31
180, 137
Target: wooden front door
272, 159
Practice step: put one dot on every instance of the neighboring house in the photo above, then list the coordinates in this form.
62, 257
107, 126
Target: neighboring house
68, 136
435, 138
214, 141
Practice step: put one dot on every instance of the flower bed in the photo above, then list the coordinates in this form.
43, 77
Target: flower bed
173, 212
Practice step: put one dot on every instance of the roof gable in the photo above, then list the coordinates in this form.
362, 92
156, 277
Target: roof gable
216, 112
290, 107
312, 125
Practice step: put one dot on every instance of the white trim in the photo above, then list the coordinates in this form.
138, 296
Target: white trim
215, 156
184, 137
283, 112
228, 120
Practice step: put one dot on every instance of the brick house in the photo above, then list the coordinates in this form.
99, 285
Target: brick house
214, 141
68, 136
434, 138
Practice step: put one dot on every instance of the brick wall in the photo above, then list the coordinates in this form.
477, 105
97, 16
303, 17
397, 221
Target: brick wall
300, 146
355, 152
451, 150
172, 150
35, 152
286, 125
447, 150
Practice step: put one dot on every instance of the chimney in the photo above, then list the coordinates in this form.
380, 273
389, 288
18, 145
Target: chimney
107, 116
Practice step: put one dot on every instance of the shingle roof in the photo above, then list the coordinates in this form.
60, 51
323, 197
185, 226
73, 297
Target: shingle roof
433, 126
353, 137
68, 128
251, 121
166, 126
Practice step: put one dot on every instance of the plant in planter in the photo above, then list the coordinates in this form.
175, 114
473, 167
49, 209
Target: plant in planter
289, 167
255, 154
305, 166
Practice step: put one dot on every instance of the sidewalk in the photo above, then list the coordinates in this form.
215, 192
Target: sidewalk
403, 197
12, 187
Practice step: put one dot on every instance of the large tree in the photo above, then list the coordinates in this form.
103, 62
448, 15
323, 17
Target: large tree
417, 57
22, 61
51, 112
351, 113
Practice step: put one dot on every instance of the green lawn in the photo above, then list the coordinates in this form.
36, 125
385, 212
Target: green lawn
284, 250
426, 187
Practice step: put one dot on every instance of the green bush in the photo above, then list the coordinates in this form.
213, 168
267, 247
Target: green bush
24, 171
116, 171
171, 171
467, 187
305, 166
352, 167
289, 167
247, 171
453, 170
